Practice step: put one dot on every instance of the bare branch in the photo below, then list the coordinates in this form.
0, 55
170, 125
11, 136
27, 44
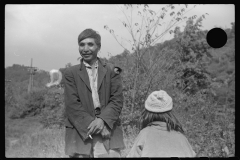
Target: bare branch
130, 29
176, 23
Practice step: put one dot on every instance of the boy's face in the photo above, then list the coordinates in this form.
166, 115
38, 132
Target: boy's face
88, 49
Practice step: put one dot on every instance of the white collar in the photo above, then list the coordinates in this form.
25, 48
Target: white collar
88, 66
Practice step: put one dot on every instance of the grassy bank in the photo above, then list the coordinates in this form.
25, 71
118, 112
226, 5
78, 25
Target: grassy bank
27, 138
210, 130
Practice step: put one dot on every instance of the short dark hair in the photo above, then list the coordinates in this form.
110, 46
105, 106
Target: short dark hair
90, 33
172, 122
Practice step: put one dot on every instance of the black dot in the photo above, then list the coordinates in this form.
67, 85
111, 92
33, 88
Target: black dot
216, 38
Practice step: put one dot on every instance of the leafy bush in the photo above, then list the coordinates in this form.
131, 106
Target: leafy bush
45, 103
207, 115
193, 48
53, 113
9, 97
209, 126
14, 103
35, 103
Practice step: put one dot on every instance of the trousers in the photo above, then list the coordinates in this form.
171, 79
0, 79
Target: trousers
99, 150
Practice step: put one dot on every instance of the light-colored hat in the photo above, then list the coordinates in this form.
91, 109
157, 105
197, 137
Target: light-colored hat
159, 101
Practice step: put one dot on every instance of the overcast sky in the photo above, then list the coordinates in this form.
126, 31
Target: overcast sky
48, 33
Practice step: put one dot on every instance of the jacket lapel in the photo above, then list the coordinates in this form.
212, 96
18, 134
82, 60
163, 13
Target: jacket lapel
101, 73
84, 75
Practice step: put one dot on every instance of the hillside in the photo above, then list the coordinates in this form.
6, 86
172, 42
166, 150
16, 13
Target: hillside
20, 74
34, 123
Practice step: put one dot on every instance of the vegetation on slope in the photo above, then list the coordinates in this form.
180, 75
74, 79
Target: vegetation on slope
206, 111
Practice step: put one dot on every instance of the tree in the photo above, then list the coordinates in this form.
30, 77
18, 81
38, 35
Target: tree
194, 52
143, 25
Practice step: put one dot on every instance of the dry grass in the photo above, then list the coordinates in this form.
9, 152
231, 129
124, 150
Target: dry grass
46, 143
128, 137
210, 130
29, 139
43, 143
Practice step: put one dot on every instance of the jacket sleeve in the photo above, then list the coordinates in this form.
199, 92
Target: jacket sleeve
75, 112
114, 107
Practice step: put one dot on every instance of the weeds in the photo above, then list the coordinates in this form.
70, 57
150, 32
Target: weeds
47, 143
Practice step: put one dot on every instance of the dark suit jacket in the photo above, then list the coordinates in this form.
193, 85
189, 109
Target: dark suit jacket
80, 109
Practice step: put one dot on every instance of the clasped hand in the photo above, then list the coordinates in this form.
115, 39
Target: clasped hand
97, 126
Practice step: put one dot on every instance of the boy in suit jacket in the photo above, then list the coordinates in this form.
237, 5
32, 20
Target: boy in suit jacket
93, 101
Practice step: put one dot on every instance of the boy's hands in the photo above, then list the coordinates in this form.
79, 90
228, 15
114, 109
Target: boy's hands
96, 126
106, 133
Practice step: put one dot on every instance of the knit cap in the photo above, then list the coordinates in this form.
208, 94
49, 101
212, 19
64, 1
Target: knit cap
159, 101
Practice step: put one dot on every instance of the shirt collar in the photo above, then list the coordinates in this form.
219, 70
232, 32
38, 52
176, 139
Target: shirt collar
158, 124
88, 66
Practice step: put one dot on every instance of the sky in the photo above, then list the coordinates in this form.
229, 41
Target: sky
48, 33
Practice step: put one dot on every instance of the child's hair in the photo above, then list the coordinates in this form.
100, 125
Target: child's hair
172, 122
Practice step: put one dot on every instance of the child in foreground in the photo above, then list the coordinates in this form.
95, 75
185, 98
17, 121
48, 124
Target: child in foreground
161, 133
